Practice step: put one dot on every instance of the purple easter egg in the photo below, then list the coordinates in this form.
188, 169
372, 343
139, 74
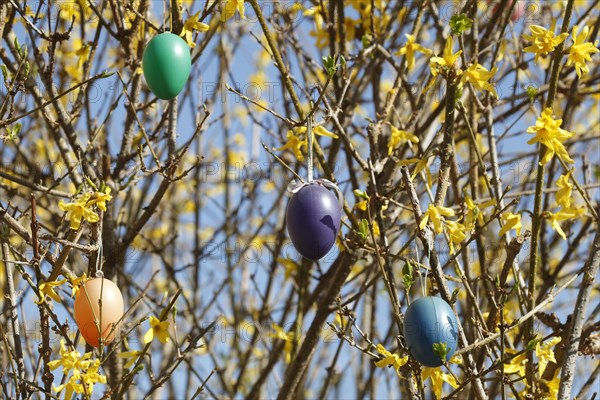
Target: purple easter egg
427, 321
313, 220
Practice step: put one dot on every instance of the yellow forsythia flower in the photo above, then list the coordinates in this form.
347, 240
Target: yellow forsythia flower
399, 137
409, 49
563, 196
548, 132
100, 198
517, 364
456, 233
446, 61
158, 328
421, 165
511, 221
85, 372
543, 40
545, 354
479, 77
230, 7
581, 51
131, 357
436, 214
437, 380
295, 144
78, 211
561, 215
288, 337
390, 359
47, 289
76, 283
192, 24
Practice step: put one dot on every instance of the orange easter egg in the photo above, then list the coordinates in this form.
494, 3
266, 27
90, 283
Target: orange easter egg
93, 319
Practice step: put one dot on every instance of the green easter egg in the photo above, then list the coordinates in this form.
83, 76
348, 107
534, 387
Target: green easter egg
166, 63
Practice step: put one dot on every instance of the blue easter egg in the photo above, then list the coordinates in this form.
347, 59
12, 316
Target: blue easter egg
430, 320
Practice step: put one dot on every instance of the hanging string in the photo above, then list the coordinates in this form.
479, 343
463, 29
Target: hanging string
421, 279
80, 168
295, 185
164, 12
99, 273
426, 272
171, 17
310, 150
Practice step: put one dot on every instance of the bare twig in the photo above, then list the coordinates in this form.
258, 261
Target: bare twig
590, 270
14, 320
519, 321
